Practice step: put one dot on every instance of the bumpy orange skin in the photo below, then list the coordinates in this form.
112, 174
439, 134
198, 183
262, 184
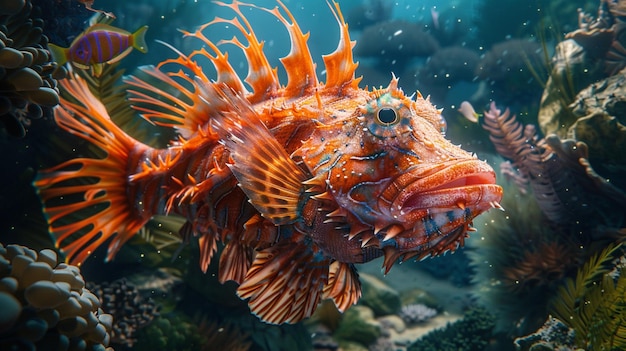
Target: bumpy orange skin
299, 181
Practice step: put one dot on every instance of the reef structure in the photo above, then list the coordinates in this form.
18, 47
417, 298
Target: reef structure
27, 74
45, 305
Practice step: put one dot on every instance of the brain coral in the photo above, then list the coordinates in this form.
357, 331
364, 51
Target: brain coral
45, 305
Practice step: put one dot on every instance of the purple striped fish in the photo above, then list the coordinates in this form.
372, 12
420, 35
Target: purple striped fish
100, 44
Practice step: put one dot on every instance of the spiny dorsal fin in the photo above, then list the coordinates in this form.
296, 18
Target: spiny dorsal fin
261, 76
299, 63
340, 65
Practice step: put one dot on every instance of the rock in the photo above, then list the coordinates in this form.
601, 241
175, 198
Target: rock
358, 325
600, 109
393, 322
377, 295
572, 70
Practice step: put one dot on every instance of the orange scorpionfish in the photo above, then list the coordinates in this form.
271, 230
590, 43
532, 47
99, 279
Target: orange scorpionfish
300, 182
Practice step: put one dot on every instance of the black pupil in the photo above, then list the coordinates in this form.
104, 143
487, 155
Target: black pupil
387, 115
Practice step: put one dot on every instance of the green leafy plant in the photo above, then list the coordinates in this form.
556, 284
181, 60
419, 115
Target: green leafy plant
594, 303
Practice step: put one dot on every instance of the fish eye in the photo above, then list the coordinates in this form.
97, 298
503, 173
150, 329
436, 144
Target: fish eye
386, 116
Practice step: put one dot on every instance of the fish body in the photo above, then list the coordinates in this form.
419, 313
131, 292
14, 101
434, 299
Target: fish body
300, 181
100, 44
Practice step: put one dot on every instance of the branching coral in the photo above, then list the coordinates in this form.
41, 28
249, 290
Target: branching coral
417, 313
604, 36
26, 71
553, 335
565, 185
45, 304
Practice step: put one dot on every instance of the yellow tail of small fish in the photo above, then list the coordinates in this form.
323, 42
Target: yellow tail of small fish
86, 200
139, 39
59, 54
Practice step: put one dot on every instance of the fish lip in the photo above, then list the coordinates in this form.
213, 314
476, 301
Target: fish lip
455, 185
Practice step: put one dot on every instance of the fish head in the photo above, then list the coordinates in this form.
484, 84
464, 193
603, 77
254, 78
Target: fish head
390, 169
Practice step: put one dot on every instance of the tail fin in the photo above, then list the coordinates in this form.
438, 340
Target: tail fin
139, 39
85, 199
59, 54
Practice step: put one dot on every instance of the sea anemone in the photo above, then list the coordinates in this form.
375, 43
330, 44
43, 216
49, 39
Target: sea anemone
45, 304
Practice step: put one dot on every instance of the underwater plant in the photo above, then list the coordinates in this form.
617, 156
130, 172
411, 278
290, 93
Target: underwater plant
593, 303
518, 260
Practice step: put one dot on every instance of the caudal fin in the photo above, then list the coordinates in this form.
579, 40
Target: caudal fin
139, 39
85, 199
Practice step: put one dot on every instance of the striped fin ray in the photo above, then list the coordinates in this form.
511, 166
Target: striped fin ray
169, 99
301, 76
340, 65
83, 215
261, 76
285, 282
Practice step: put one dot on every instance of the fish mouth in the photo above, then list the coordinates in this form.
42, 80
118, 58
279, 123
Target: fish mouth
459, 185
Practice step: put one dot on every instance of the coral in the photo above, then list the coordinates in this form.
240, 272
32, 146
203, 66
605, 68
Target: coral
604, 37
369, 12
593, 304
417, 313
129, 309
553, 336
46, 305
558, 171
510, 69
472, 333
395, 42
496, 20
445, 68
450, 64
27, 75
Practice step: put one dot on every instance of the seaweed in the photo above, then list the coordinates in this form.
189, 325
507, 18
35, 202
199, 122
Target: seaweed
593, 304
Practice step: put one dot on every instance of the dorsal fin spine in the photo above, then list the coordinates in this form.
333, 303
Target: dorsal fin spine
340, 65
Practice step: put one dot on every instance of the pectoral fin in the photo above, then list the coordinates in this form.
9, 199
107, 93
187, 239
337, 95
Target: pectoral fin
267, 175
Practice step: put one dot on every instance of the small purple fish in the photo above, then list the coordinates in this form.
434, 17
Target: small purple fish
100, 44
